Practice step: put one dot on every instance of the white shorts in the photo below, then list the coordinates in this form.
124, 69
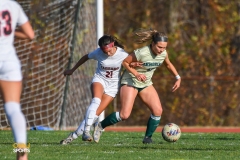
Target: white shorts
10, 70
110, 87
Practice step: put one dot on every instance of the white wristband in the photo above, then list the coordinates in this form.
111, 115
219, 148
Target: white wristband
178, 77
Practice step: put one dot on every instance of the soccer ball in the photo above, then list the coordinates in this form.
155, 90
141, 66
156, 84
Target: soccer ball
171, 132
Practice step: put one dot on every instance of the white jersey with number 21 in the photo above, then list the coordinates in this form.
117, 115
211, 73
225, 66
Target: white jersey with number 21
108, 67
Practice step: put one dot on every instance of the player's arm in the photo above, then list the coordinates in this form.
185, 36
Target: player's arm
25, 31
136, 64
173, 70
132, 65
127, 64
79, 63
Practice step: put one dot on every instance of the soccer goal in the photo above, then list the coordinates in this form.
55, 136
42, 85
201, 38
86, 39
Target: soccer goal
65, 30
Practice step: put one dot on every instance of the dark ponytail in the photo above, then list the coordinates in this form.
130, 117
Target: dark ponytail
107, 39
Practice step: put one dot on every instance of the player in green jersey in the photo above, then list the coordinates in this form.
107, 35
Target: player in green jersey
138, 81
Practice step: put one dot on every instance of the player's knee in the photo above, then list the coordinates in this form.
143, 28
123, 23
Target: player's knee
158, 112
96, 100
124, 116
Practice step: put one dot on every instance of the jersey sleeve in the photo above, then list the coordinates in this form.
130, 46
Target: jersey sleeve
22, 17
94, 54
137, 53
141, 52
124, 54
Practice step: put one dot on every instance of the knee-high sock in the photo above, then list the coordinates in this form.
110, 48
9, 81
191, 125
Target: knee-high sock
91, 113
111, 119
152, 125
17, 121
80, 128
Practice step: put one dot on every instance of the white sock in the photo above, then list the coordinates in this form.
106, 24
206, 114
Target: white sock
17, 121
91, 113
80, 128
74, 135
96, 119
118, 116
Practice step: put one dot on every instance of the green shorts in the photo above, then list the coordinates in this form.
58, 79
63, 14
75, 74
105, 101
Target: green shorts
139, 89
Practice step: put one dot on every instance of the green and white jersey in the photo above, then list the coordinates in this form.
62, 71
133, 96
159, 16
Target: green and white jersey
150, 63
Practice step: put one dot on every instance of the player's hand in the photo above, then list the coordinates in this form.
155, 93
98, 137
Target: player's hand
136, 64
141, 77
176, 85
68, 72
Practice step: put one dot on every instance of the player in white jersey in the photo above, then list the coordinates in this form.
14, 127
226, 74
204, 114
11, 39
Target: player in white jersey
11, 15
105, 83
138, 81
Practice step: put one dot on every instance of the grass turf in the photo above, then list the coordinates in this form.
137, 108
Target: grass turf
45, 145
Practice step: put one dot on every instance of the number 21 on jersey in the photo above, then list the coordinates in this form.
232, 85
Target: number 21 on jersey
109, 74
5, 23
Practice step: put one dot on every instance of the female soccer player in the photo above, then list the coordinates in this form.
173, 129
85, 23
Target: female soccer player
11, 14
105, 82
138, 81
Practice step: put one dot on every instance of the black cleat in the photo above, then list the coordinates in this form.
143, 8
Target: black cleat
147, 140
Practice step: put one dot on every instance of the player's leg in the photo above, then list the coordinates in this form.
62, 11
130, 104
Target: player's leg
150, 97
106, 100
74, 135
80, 128
110, 91
11, 88
11, 93
127, 96
97, 92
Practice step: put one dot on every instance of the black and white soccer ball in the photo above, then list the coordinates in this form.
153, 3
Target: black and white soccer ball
171, 132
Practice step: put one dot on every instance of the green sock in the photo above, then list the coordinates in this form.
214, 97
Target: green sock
111, 119
152, 125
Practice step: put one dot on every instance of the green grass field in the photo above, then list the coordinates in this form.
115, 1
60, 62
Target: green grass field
44, 145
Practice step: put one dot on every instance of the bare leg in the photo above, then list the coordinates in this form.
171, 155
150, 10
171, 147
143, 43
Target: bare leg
127, 95
106, 100
151, 99
11, 92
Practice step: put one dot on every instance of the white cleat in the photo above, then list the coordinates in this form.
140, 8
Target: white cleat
87, 136
97, 132
69, 139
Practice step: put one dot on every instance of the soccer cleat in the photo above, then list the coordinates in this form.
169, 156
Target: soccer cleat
97, 132
147, 140
87, 136
69, 139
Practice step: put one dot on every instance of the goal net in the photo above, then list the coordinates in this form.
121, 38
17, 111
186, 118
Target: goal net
65, 31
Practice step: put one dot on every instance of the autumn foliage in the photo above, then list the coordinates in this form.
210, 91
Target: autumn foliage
204, 46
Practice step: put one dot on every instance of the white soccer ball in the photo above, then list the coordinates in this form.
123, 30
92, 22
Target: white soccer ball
171, 132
